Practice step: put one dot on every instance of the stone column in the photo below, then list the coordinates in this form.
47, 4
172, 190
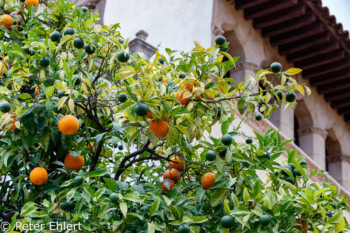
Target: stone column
312, 140
339, 168
284, 120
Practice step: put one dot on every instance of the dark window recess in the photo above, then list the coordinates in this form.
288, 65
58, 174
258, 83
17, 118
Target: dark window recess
296, 134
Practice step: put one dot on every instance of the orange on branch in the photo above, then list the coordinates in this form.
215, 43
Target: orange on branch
172, 174
68, 125
177, 163
6, 21
90, 146
12, 123
171, 185
149, 115
33, 2
38, 176
160, 128
37, 90
74, 163
208, 180
180, 96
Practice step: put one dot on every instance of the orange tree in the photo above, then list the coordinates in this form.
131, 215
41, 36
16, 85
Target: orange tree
88, 130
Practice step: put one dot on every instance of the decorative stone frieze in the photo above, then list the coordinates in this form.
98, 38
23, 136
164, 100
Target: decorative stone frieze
312, 130
336, 158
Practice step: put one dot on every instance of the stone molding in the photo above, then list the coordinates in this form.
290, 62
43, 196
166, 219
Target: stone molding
312, 130
337, 158
246, 65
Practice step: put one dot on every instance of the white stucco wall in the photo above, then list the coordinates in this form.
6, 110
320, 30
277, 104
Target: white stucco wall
173, 24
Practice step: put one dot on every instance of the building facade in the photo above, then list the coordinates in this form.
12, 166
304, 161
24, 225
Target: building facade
296, 33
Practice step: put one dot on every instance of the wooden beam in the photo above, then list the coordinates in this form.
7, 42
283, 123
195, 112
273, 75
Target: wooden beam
322, 60
344, 104
331, 28
297, 34
336, 87
344, 111
342, 96
320, 50
290, 25
244, 4
326, 70
268, 8
331, 78
347, 118
304, 43
279, 17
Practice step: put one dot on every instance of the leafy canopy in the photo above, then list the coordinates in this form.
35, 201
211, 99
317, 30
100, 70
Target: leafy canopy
58, 61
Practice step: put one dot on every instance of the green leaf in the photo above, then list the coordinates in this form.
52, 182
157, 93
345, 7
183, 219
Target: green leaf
123, 208
24, 96
154, 207
227, 208
151, 228
316, 172
198, 219
96, 173
61, 102
217, 196
132, 197
49, 91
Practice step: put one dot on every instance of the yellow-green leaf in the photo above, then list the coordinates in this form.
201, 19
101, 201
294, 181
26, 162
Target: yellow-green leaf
71, 105
227, 208
300, 89
61, 102
293, 71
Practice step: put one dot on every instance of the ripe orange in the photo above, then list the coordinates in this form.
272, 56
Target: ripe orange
6, 21
37, 90
165, 80
90, 147
178, 164
33, 2
74, 163
303, 227
172, 174
12, 123
160, 128
208, 180
38, 176
149, 115
68, 125
59, 207
179, 95
189, 85
171, 185
126, 121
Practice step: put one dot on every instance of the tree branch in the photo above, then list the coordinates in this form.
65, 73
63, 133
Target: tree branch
122, 167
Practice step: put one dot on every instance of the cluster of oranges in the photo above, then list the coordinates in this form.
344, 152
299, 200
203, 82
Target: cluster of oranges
172, 175
7, 20
68, 125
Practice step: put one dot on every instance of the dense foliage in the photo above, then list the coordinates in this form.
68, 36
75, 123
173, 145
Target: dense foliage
88, 130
